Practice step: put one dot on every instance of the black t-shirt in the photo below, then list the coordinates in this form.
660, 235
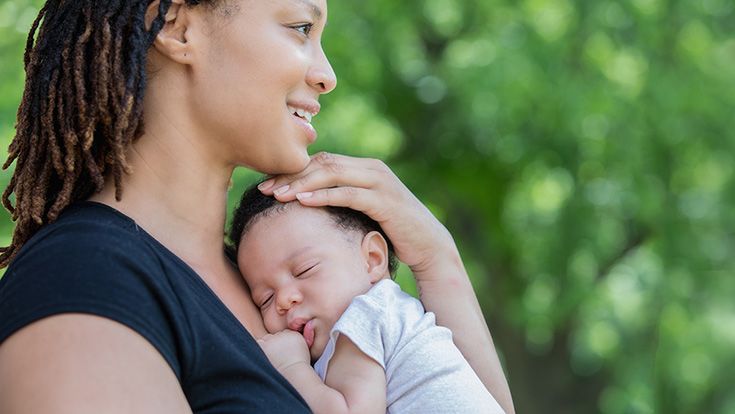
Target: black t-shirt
96, 260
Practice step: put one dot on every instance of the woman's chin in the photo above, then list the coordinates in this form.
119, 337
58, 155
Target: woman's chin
283, 166
298, 165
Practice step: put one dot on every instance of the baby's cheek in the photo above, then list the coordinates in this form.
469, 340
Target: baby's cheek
273, 323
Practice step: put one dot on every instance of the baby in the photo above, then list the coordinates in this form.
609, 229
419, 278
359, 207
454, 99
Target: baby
322, 280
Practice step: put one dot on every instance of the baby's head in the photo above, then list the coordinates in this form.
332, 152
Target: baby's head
304, 265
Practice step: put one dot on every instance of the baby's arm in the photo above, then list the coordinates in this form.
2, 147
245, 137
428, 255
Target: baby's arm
355, 383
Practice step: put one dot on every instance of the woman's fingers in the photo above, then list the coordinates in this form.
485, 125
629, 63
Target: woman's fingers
322, 178
362, 184
367, 185
350, 197
407, 223
324, 171
269, 186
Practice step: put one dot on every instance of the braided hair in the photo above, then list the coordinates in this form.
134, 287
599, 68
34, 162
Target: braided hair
81, 108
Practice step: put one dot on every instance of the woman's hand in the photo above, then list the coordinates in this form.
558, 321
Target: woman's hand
368, 185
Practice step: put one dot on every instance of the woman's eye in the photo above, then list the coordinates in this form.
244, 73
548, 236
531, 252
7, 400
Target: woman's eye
304, 29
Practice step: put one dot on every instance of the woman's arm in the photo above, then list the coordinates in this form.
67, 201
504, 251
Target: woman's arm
420, 241
78, 363
445, 289
355, 383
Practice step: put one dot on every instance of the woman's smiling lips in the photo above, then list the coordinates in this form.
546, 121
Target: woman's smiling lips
303, 112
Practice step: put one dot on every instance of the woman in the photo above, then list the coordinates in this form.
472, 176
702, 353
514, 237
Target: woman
126, 302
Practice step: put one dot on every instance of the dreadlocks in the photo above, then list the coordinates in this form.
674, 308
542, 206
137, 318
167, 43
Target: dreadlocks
82, 106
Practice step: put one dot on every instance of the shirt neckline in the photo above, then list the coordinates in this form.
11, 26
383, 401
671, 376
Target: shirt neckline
212, 296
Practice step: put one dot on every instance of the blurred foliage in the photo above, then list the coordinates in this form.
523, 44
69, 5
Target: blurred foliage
581, 152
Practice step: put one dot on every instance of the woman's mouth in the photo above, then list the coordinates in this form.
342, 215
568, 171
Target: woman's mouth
301, 113
303, 118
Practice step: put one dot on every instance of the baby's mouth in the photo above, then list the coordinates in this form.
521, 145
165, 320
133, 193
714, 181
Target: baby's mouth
308, 332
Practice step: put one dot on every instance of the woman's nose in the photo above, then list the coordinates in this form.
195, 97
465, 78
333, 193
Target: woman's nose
321, 75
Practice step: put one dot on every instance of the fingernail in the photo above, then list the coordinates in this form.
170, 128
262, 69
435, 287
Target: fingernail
266, 184
302, 196
281, 190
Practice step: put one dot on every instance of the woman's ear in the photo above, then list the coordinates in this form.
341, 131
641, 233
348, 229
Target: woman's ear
171, 40
375, 252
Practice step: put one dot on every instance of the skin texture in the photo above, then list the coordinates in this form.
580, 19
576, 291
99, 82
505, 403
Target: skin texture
218, 98
302, 268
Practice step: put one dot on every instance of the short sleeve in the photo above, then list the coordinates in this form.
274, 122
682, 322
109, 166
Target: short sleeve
374, 323
363, 323
94, 269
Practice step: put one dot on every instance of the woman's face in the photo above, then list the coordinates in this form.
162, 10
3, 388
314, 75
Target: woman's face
258, 80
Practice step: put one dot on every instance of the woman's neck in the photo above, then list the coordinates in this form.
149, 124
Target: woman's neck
177, 194
179, 197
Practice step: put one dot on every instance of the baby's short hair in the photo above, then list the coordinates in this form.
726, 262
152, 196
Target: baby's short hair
255, 205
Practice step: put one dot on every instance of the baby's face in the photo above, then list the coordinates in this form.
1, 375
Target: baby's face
303, 271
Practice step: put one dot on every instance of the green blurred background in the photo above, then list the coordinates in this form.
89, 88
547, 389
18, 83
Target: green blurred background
581, 152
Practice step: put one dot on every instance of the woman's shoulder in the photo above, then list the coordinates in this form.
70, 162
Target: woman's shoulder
82, 224
88, 236
92, 257
90, 261
58, 362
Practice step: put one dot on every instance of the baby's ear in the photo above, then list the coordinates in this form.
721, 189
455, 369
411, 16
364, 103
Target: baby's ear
375, 253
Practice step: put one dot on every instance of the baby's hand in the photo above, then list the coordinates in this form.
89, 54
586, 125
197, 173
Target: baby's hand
285, 349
